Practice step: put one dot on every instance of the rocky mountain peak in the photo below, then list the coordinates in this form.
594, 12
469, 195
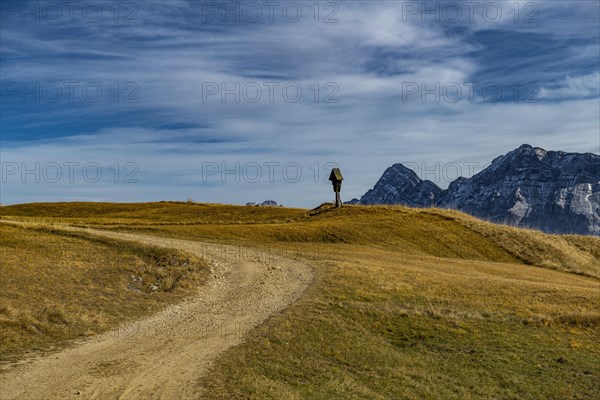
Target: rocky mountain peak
401, 185
554, 191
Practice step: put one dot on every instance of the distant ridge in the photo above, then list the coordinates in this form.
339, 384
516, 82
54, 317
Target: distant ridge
553, 191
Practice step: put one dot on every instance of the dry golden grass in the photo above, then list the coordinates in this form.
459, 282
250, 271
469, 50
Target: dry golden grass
57, 286
577, 254
407, 303
180, 213
438, 232
379, 324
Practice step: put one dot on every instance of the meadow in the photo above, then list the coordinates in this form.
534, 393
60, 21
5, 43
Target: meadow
58, 286
406, 303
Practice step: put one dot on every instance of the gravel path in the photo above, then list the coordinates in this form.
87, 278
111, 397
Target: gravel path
162, 356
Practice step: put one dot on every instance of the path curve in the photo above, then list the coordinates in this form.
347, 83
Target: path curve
162, 356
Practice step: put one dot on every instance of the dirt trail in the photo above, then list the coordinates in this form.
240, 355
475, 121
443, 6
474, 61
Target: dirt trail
162, 356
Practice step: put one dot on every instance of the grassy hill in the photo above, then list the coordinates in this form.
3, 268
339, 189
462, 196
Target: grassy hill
57, 286
407, 303
442, 233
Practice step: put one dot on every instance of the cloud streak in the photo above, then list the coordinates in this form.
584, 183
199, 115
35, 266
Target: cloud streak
373, 58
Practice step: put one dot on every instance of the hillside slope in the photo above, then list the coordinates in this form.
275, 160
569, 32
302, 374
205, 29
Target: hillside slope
158, 356
435, 232
406, 303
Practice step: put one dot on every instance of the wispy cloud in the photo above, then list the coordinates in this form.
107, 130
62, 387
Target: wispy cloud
390, 77
573, 88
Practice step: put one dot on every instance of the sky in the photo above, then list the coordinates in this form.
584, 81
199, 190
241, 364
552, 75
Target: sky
245, 101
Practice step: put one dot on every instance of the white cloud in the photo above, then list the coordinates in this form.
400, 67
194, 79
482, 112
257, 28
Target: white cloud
370, 54
573, 87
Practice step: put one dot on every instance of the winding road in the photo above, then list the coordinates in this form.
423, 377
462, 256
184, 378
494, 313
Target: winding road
162, 356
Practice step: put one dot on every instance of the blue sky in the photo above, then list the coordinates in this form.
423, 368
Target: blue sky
160, 100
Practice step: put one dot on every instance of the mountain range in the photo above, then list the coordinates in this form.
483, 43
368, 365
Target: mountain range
553, 191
